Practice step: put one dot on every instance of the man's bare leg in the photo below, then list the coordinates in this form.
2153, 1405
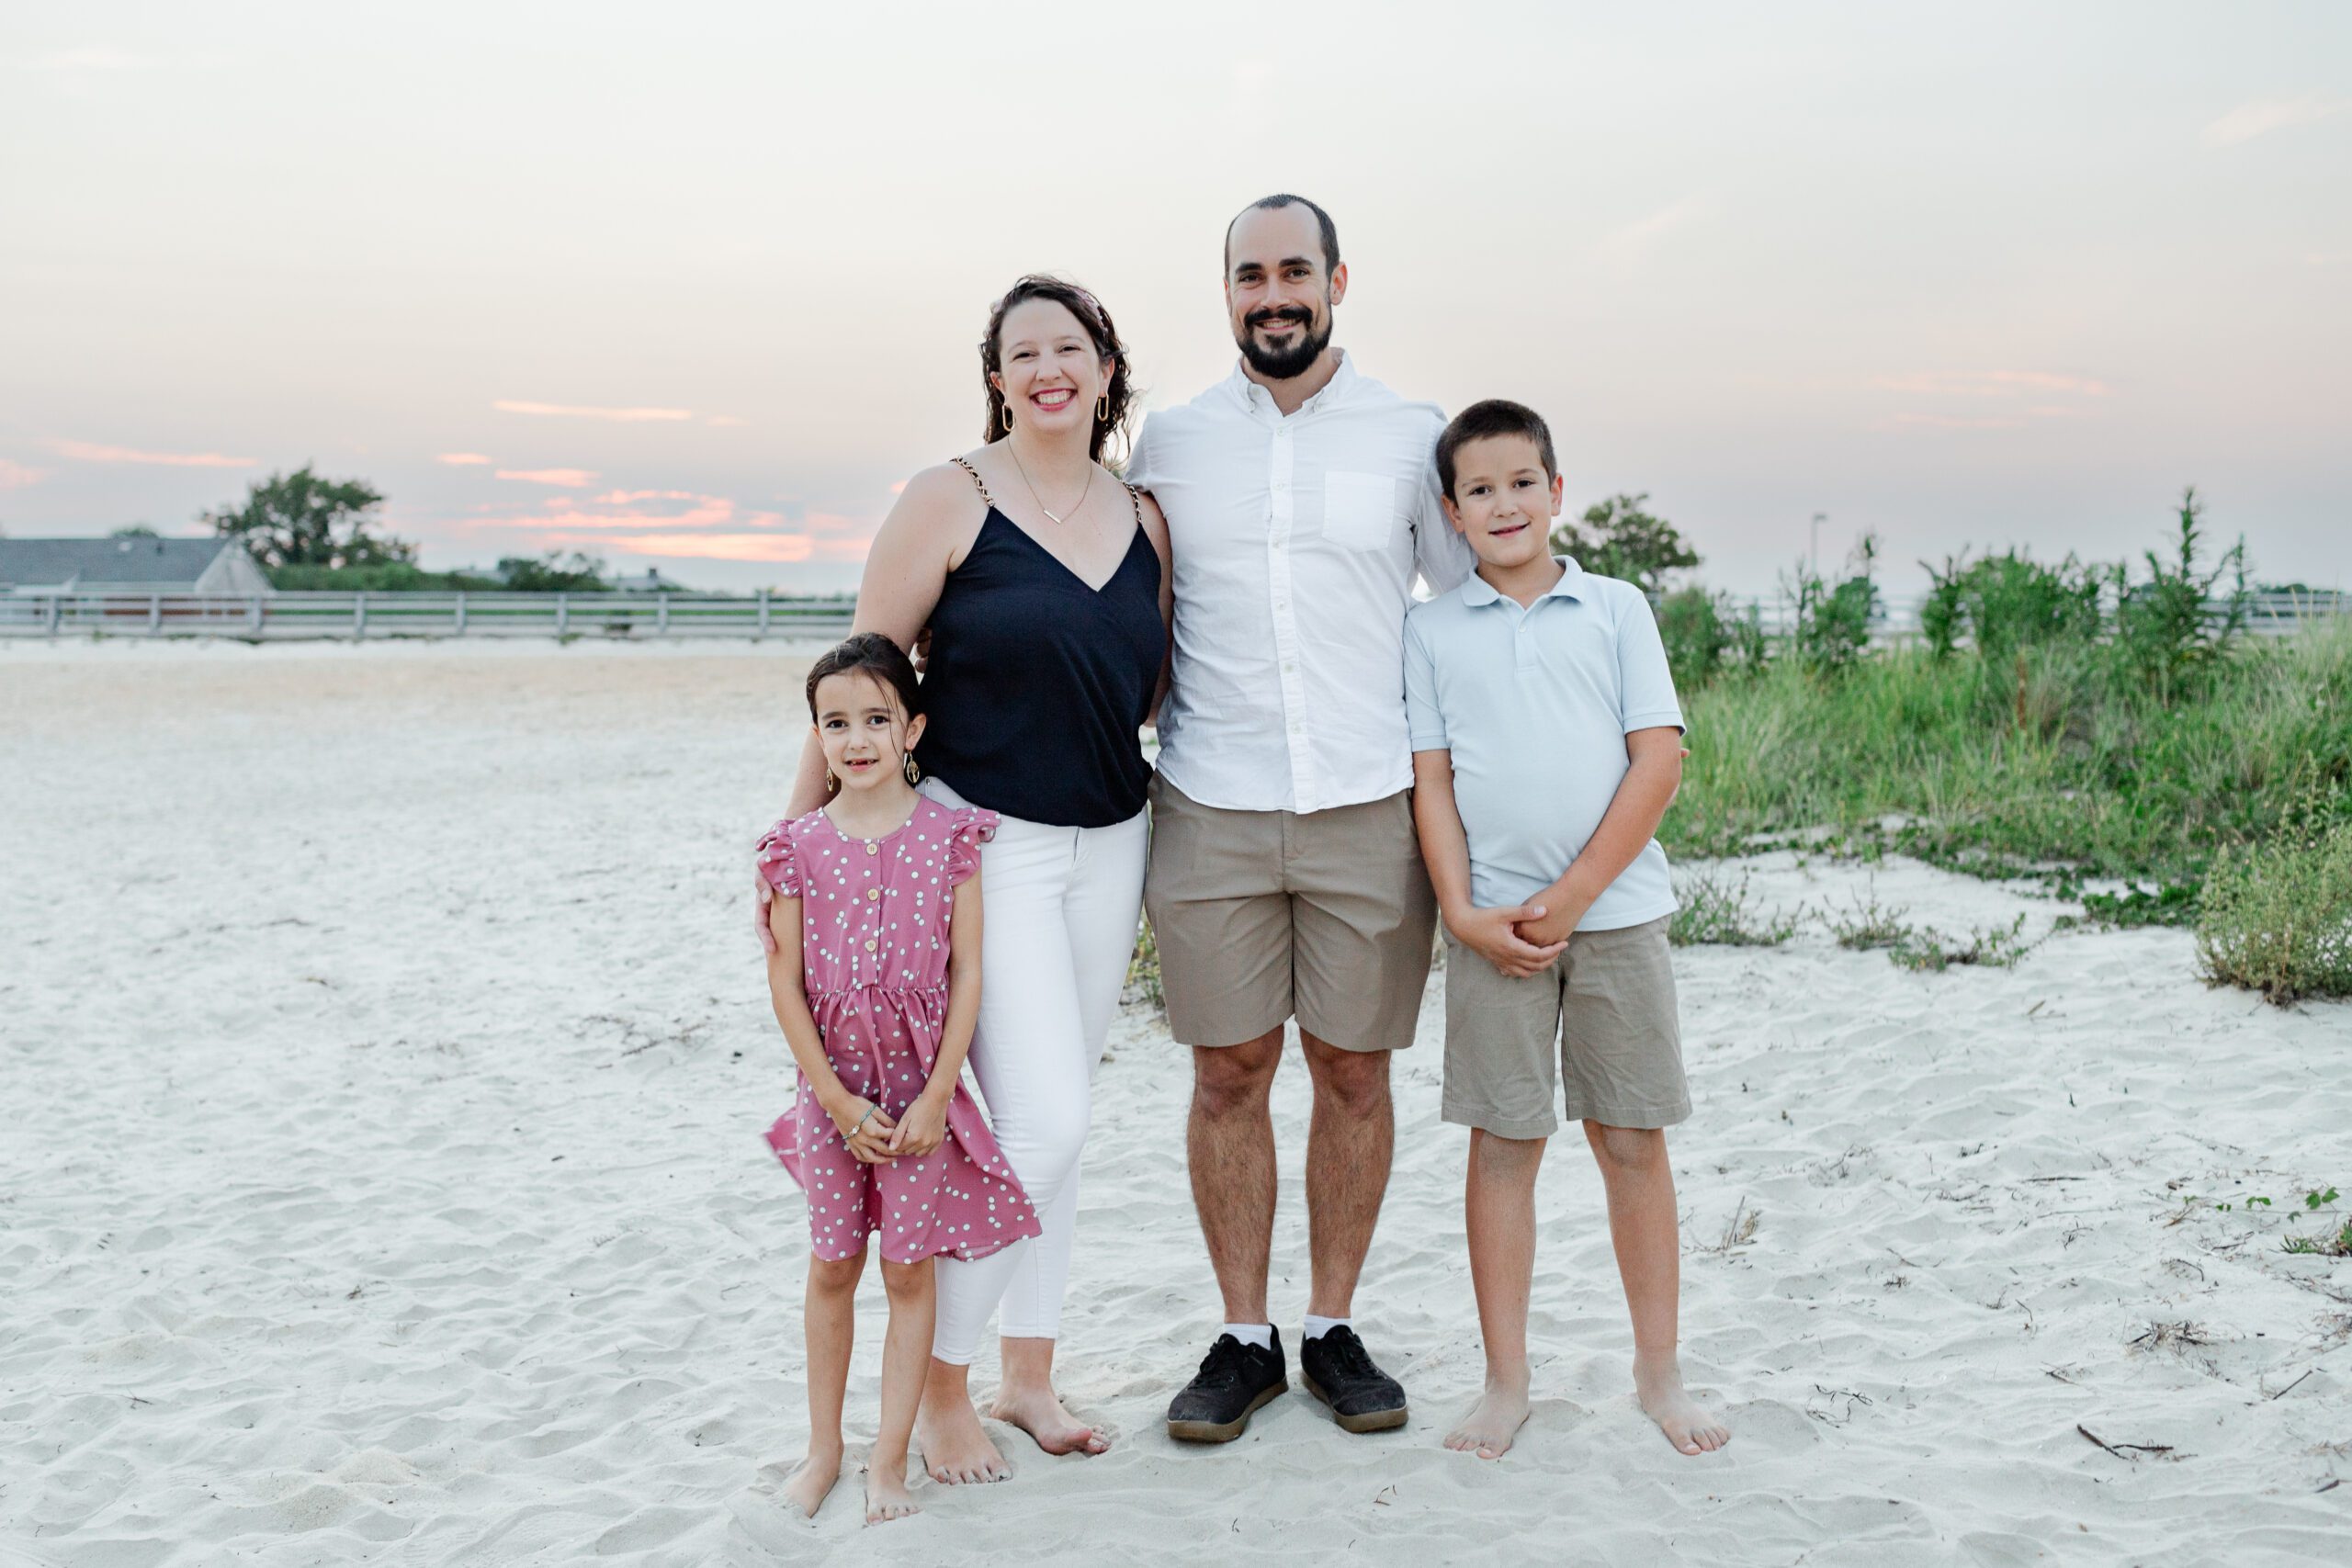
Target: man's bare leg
1649, 1260
1349, 1141
1498, 1212
1229, 1143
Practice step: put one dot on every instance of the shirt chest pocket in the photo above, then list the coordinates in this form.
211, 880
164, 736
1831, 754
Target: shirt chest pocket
1359, 509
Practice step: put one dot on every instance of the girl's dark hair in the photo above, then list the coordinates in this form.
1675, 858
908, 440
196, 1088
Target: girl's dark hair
1097, 322
869, 653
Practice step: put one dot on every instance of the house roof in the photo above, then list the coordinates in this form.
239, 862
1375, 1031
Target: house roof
95, 561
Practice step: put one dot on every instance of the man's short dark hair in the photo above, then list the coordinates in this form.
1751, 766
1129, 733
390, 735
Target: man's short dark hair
1496, 416
1322, 221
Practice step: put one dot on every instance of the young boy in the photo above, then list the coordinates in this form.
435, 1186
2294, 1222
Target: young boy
1546, 745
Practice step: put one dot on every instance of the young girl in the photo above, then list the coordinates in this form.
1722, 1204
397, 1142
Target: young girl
876, 981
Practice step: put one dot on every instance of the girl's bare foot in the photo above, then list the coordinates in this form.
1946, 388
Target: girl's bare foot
806, 1488
1491, 1425
1039, 1412
956, 1451
886, 1497
1657, 1384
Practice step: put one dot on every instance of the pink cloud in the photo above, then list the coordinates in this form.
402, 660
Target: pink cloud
15, 475
835, 523
775, 548
726, 420
565, 478
567, 411
1952, 421
92, 452
462, 459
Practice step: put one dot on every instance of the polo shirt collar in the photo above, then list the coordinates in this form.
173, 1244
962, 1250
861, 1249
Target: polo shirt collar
1478, 591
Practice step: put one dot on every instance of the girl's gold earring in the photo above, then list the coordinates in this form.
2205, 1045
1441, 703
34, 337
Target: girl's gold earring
832, 784
914, 774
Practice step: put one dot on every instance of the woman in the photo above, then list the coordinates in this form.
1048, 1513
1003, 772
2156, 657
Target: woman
1045, 586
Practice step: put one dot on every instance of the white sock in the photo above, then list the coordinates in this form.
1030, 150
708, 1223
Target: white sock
1318, 1326
1262, 1334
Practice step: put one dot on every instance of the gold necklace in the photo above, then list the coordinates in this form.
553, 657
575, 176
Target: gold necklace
1056, 517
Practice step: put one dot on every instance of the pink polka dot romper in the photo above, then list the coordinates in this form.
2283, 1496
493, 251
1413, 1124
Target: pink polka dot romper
874, 916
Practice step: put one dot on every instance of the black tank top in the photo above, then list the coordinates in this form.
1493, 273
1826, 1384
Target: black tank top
1037, 684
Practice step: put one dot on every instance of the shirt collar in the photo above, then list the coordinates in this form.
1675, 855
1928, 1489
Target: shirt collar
1258, 400
1477, 591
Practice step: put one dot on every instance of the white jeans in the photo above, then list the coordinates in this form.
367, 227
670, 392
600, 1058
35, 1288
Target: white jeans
1061, 905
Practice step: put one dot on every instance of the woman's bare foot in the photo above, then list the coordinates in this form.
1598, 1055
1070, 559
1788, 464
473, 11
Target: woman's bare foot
1657, 1384
955, 1449
887, 1496
1495, 1419
806, 1487
1039, 1412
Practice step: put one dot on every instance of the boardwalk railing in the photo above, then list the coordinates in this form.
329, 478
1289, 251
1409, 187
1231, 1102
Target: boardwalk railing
640, 616
274, 616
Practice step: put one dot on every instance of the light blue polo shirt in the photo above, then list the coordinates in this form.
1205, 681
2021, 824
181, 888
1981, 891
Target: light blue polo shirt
1535, 705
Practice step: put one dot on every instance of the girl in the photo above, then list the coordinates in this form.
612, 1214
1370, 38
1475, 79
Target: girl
876, 981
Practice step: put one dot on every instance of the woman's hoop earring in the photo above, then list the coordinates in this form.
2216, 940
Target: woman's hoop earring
914, 774
1007, 406
1102, 409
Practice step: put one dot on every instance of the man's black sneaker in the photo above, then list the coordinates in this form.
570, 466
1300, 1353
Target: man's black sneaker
1234, 1382
1339, 1373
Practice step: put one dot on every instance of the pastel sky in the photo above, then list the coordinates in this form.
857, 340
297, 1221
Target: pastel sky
698, 285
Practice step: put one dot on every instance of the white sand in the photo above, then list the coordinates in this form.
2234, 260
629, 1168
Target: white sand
386, 1054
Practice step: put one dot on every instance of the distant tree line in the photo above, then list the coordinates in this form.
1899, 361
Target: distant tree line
313, 533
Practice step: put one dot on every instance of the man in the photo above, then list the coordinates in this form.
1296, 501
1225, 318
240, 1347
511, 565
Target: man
1286, 880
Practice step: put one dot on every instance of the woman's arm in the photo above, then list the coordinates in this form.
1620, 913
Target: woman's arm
850, 1112
1155, 527
926, 1123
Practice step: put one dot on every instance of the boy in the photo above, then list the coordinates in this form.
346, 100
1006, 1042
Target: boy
1546, 746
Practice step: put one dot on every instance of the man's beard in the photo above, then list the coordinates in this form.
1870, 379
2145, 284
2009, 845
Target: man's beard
1282, 364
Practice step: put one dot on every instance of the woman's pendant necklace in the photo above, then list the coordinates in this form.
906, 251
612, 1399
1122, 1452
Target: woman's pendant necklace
1058, 518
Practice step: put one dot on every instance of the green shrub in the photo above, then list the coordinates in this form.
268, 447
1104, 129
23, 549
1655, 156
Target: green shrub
2277, 918
1869, 925
1830, 628
1998, 604
1993, 947
2166, 637
1716, 912
1706, 635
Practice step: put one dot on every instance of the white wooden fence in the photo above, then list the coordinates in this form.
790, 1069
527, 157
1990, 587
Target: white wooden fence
274, 616
640, 616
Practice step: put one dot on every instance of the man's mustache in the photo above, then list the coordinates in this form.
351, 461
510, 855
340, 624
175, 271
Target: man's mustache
1291, 314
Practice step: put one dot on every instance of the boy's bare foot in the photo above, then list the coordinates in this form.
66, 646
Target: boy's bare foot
955, 1449
886, 1494
806, 1487
1040, 1414
1491, 1425
1657, 1384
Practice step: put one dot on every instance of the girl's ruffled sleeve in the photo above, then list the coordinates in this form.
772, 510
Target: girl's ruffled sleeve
972, 828
779, 863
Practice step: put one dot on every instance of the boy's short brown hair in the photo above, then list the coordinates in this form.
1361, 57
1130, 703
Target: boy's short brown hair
1496, 416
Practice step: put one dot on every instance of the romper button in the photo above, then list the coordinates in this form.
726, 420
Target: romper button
873, 895
873, 849
869, 944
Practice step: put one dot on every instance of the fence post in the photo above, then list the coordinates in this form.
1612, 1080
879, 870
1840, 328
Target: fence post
461, 614
56, 614
562, 613
253, 613
661, 612
359, 614
764, 612
154, 614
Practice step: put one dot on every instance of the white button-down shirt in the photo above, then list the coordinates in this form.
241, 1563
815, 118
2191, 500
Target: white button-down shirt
1296, 543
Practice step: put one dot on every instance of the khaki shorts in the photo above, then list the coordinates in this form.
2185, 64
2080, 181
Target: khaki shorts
1263, 916
1601, 1016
